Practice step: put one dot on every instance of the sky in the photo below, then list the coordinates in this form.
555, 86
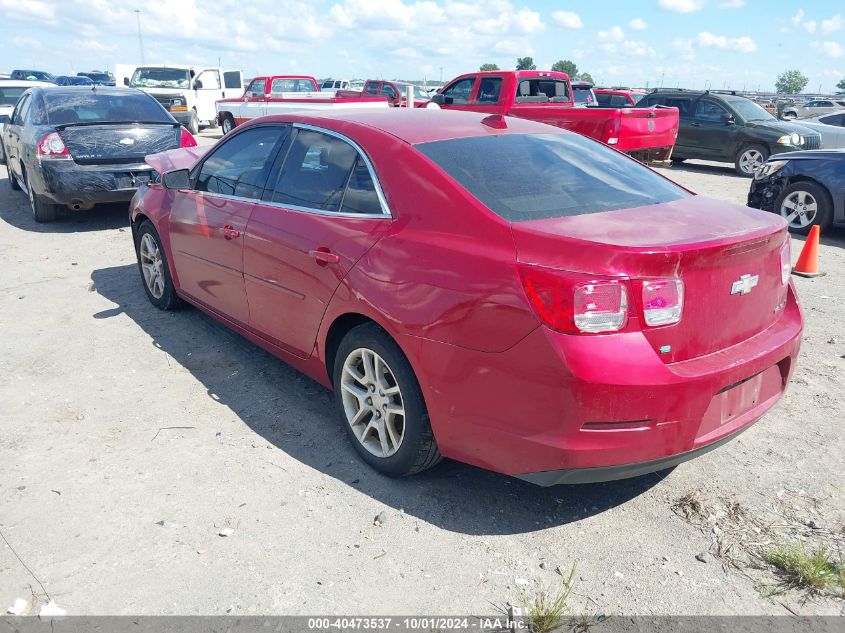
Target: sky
689, 43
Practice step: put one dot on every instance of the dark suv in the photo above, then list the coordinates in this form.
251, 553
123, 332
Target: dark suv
729, 128
34, 75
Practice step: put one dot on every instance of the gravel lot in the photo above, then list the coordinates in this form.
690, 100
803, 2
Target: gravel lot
131, 437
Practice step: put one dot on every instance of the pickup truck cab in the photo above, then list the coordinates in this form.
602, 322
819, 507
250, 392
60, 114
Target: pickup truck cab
277, 94
647, 134
617, 97
396, 93
187, 92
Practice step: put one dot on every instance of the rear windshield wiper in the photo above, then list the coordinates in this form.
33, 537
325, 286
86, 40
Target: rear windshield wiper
61, 126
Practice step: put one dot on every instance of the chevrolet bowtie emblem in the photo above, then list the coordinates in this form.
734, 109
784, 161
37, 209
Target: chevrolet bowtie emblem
744, 284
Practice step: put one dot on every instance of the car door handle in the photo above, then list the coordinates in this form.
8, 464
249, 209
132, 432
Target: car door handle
230, 232
324, 256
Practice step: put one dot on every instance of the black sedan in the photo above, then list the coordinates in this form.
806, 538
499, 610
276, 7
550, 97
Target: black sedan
806, 188
75, 147
73, 80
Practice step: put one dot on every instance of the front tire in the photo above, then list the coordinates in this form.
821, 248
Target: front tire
749, 159
155, 272
803, 205
228, 124
381, 404
194, 123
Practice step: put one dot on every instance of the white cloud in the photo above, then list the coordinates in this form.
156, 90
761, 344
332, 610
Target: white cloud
94, 45
568, 19
684, 49
25, 42
833, 24
810, 26
798, 17
638, 49
742, 44
732, 4
615, 34
28, 8
638, 24
682, 6
830, 49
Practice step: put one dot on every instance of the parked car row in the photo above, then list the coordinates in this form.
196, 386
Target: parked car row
95, 77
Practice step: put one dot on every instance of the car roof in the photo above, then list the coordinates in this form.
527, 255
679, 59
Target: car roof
416, 125
67, 91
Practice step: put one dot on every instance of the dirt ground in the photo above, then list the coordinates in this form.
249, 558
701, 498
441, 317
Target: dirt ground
130, 437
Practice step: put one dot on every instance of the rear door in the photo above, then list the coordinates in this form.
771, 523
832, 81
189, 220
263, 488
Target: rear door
12, 135
322, 211
207, 223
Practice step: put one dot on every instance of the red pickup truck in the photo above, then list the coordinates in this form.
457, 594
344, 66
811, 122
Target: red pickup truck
396, 93
277, 94
647, 134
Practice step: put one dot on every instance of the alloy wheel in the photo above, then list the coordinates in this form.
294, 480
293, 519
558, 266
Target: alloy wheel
751, 160
372, 401
152, 266
799, 209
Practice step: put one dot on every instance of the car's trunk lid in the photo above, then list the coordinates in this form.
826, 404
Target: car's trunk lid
710, 245
118, 143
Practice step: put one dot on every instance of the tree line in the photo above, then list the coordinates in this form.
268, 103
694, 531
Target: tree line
561, 66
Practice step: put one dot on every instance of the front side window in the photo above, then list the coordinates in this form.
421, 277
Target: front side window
256, 88
240, 166
388, 91
459, 92
326, 173
525, 177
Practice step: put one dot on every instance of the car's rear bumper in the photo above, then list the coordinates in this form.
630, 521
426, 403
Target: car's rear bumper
68, 183
604, 405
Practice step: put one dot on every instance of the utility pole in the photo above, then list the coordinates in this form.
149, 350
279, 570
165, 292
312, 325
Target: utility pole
441, 75
140, 39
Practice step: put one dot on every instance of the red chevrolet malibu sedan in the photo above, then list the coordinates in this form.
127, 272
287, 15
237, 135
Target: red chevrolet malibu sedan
492, 290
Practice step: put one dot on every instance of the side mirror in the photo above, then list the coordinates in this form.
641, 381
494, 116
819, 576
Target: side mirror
728, 119
197, 85
126, 81
5, 119
439, 99
177, 179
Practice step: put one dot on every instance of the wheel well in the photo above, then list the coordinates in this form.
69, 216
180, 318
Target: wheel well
797, 179
340, 328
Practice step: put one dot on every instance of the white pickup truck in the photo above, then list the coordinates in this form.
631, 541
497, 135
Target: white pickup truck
187, 92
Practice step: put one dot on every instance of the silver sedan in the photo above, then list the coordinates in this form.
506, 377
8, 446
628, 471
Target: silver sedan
831, 127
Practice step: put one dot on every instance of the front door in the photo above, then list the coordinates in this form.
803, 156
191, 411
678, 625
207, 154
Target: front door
255, 101
207, 222
711, 131
323, 213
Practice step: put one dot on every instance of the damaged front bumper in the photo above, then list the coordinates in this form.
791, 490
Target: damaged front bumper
764, 193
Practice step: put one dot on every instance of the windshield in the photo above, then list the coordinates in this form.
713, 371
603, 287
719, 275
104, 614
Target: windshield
10, 96
583, 94
525, 177
89, 107
77, 81
160, 78
750, 111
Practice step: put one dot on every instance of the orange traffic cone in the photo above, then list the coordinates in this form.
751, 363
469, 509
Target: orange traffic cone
808, 261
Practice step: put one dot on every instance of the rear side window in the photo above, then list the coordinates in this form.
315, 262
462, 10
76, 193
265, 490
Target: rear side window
360, 196
291, 85
232, 79
525, 177
833, 119
315, 172
489, 90
240, 166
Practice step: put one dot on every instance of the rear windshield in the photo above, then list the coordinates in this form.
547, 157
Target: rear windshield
86, 106
583, 94
525, 177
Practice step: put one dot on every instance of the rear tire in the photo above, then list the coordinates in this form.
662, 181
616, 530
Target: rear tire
41, 211
805, 202
749, 159
155, 272
678, 161
373, 381
194, 123
13, 182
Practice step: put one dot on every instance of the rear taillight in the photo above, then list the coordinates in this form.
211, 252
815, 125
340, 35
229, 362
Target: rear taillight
663, 301
785, 260
52, 147
187, 139
611, 131
575, 303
